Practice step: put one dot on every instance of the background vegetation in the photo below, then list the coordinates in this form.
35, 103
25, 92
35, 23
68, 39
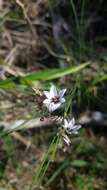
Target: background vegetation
62, 42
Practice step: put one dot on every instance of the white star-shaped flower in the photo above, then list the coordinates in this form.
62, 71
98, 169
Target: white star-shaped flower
54, 98
70, 126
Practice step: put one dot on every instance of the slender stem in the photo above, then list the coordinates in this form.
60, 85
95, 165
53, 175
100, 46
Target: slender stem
41, 168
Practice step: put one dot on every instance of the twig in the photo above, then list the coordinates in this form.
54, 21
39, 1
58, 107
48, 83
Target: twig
27, 18
24, 124
22, 139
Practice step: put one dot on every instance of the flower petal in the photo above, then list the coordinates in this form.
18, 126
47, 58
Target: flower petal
46, 101
62, 100
77, 127
72, 122
47, 94
62, 92
53, 91
65, 123
74, 129
56, 106
52, 106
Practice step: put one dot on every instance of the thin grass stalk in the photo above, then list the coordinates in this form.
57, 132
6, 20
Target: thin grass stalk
36, 179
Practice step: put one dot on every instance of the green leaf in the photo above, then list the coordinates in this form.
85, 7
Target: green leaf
79, 163
100, 79
42, 75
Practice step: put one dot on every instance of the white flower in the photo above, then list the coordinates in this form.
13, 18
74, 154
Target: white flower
70, 126
54, 98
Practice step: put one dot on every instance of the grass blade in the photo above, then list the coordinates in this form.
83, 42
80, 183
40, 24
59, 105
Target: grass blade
42, 75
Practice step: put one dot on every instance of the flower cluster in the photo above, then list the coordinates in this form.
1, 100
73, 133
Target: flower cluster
54, 100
